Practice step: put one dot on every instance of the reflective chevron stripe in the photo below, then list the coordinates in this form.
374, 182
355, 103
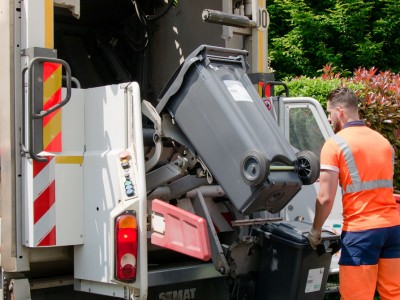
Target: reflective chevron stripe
357, 185
52, 83
44, 199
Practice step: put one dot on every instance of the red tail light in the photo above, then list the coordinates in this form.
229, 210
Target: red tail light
126, 246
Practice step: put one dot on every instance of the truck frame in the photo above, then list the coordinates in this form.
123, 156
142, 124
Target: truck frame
91, 154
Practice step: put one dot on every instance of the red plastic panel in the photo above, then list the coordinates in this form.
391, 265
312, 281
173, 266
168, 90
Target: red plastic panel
184, 232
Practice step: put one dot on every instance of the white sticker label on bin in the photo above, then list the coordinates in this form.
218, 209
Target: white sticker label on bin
237, 90
314, 280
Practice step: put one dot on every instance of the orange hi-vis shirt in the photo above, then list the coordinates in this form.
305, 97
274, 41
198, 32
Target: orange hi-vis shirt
364, 160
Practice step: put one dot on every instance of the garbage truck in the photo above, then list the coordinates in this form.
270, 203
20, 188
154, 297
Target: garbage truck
144, 155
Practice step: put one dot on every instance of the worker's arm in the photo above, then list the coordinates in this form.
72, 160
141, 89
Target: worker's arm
323, 205
326, 196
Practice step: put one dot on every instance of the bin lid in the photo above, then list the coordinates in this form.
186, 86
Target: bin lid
296, 231
199, 54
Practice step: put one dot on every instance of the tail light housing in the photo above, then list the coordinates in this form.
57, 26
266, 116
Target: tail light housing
126, 242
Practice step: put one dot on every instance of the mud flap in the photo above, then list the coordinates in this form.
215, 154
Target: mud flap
179, 230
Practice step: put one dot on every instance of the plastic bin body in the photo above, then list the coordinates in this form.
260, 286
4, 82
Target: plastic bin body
290, 268
217, 108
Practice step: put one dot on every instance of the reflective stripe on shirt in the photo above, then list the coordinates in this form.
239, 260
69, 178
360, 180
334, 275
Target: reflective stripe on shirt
357, 185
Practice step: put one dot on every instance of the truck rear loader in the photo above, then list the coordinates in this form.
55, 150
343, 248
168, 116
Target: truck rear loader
144, 155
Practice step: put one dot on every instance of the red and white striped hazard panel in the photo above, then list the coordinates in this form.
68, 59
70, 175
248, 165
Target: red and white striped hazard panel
44, 184
44, 199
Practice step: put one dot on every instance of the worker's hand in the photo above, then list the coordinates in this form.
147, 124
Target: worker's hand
314, 238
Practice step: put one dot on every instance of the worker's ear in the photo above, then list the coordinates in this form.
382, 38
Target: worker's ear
340, 111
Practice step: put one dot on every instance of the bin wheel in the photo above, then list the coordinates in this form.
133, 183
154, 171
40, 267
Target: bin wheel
254, 167
308, 167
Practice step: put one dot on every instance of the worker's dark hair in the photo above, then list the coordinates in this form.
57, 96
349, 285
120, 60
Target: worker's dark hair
343, 96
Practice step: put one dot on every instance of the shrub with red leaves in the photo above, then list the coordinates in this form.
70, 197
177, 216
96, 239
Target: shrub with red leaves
379, 106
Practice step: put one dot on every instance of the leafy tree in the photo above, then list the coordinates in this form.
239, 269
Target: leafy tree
305, 35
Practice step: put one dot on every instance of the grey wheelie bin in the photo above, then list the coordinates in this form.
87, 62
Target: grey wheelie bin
290, 268
214, 103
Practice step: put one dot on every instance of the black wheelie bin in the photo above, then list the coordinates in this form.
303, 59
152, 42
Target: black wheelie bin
290, 268
215, 105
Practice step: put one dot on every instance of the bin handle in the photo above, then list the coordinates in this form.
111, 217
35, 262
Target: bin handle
332, 248
210, 58
222, 50
238, 59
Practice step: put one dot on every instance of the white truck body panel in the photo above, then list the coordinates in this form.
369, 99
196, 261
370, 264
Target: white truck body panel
62, 176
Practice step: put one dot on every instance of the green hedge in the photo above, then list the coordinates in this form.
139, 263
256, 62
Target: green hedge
379, 94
